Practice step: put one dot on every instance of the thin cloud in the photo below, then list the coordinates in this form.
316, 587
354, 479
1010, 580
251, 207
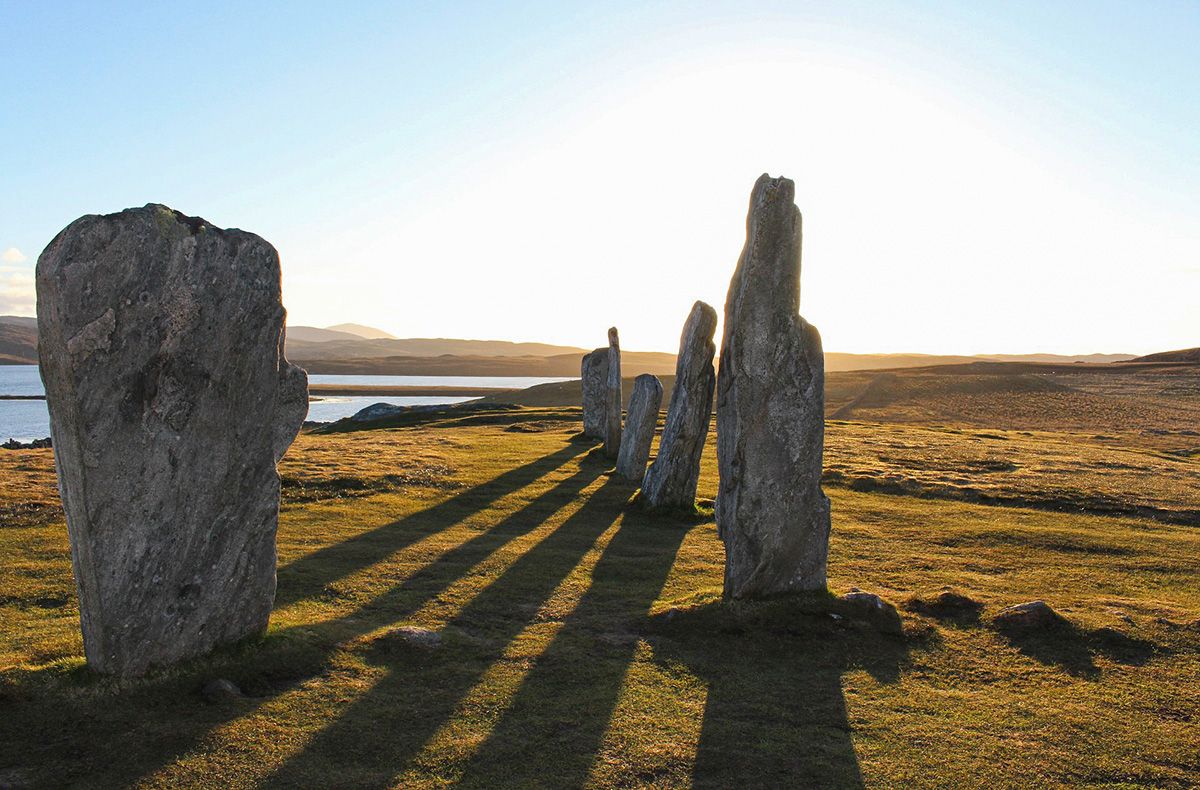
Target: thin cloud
13, 255
17, 295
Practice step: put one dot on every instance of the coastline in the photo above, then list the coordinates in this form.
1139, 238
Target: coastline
319, 391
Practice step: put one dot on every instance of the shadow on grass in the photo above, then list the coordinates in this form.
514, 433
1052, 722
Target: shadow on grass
308, 576
775, 714
379, 735
1073, 649
551, 734
80, 729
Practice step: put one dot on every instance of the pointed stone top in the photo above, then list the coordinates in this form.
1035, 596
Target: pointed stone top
770, 262
612, 335
703, 318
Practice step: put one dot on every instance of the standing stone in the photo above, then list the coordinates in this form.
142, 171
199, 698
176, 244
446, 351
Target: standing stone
161, 348
771, 512
594, 381
671, 480
613, 400
641, 418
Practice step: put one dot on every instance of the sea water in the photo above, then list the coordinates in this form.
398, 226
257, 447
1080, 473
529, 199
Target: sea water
26, 420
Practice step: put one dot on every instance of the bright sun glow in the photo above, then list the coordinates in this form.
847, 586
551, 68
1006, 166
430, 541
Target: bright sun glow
927, 224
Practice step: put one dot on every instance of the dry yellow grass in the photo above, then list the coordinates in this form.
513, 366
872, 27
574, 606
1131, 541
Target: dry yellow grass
586, 643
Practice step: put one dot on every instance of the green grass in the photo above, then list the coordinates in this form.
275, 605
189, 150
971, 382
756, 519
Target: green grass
586, 643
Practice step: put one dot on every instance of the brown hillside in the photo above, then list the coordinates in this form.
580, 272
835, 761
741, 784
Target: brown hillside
632, 362
18, 345
1182, 355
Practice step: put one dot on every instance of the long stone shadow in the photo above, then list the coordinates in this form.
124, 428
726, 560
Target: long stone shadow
266, 670
408, 595
307, 576
551, 734
382, 731
775, 715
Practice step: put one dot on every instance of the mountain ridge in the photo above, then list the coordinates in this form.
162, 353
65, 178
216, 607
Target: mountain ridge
327, 349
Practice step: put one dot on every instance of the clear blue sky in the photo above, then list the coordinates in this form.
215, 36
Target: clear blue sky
974, 177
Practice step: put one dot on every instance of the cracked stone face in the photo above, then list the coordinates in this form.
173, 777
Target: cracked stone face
672, 479
641, 418
594, 384
613, 397
161, 349
771, 512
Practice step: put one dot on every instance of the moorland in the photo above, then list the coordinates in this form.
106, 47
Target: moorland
585, 642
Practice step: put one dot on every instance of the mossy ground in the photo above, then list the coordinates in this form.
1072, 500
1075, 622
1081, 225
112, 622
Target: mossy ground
586, 643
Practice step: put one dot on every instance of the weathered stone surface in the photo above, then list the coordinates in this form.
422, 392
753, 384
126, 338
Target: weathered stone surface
1026, 616
641, 418
594, 381
875, 610
161, 348
771, 512
613, 397
671, 480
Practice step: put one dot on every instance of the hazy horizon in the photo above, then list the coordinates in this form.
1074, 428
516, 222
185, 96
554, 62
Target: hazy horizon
983, 176
675, 350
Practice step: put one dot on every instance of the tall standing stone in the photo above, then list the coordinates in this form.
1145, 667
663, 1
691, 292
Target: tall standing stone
671, 480
641, 418
771, 512
594, 382
613, 397
161, 348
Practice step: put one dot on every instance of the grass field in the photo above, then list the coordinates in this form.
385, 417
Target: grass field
586, 644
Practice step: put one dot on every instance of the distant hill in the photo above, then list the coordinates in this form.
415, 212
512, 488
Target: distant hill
345, 332
18, 340
369, 332
633, 363
363, 349
312, 334
1182, 355
837, 361
298, 348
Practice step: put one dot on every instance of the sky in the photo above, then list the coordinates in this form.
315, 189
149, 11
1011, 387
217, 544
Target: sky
984, 177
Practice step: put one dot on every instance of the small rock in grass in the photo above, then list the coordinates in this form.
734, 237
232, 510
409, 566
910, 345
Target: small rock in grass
1111, 637
221, 689
870, 600
881, 613
947, 605
377, 411
1026, 616
416, 635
